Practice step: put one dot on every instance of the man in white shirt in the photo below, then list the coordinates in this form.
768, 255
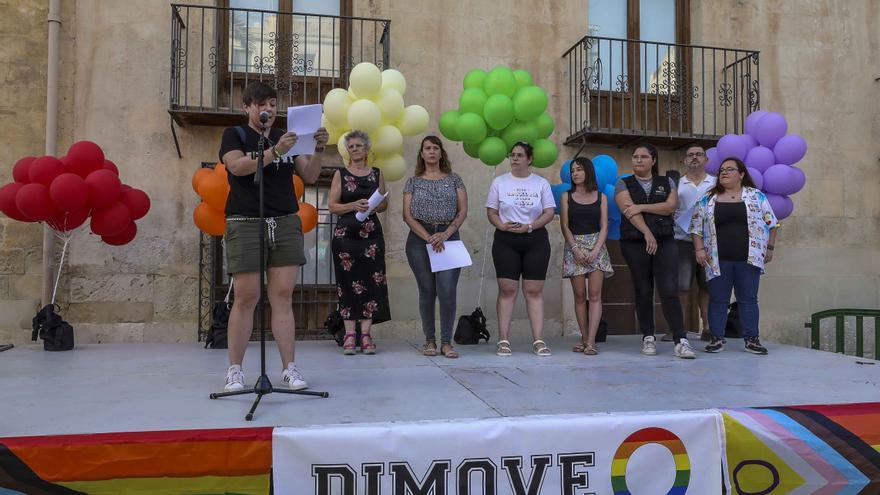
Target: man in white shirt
691, 187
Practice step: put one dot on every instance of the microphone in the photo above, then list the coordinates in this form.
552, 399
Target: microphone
264, 117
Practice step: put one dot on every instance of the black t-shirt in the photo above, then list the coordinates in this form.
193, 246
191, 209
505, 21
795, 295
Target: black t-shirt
278, 194
732, 229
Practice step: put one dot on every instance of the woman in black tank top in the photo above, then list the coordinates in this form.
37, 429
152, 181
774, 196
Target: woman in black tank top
584, 221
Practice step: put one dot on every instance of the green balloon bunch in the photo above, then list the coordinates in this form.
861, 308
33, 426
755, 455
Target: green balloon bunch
497, 109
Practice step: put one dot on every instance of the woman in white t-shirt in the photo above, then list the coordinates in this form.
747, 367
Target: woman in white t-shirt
519, 205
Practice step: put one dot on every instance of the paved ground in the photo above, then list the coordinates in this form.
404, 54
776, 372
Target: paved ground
140, 387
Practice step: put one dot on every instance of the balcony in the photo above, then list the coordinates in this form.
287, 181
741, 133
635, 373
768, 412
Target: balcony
217, 51
673, 95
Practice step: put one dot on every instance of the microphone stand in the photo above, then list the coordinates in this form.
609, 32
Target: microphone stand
263, 386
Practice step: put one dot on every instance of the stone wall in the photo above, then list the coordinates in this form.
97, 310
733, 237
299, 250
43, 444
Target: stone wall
816, 57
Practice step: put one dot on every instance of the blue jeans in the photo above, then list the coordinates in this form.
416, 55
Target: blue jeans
742, 279
433, 286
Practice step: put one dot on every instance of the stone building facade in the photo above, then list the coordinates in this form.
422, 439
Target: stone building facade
819, 68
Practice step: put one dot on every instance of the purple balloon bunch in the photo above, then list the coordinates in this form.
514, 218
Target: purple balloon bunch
769, 154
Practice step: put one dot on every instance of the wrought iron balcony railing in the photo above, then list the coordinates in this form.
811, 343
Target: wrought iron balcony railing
626, 90
217, 51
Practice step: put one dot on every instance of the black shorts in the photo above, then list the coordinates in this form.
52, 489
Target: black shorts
521, 255
688, 267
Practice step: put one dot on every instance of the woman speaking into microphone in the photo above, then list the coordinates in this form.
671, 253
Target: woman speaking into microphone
284, 238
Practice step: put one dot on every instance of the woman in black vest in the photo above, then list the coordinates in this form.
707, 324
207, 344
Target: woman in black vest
648, 202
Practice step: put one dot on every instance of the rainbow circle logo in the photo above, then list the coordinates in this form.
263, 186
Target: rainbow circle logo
644, 437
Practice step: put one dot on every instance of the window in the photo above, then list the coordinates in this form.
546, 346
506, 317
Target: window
666, 21
286, 38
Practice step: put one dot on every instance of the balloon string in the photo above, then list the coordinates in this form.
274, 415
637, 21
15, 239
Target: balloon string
485, 248
60, 265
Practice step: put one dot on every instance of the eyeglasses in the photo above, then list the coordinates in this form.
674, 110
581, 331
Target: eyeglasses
698, 154
517, 155
728, 170
355, 146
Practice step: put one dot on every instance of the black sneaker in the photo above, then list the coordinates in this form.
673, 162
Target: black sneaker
715, 344
754, 346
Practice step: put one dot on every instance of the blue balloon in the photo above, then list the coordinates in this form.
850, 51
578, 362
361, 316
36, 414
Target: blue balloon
606, 170
565, 172
613, 213
557, 190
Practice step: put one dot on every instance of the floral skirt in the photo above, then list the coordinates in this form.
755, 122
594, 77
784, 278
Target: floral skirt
360, 278
571, 267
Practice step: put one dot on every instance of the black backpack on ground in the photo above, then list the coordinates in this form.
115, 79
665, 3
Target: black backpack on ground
218, 334
602, 333
471, 329
335, 326
56, 333
733, 330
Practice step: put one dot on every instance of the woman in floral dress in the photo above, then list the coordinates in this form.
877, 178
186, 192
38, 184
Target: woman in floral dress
358, 247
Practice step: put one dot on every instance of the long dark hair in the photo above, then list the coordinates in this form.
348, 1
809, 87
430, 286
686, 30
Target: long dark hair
586, 165
747, 179
445, 166
655, 169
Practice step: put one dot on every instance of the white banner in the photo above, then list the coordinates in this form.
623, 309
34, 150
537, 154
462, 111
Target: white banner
620, 454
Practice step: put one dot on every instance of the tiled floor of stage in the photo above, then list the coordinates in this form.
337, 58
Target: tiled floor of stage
139, 387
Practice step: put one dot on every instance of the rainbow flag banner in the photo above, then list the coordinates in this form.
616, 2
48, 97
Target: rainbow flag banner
227, 461
791, 450
803, 449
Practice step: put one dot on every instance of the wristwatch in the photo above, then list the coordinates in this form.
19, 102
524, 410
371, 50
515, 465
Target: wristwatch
530, 228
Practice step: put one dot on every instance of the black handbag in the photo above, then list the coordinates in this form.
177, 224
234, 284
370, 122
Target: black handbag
218, 334
471, 329
56, 333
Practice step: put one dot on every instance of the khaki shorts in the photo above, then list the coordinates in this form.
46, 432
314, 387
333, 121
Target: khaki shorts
284, 243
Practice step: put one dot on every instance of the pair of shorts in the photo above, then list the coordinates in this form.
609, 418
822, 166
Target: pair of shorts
283, 243
521, 255
688, 267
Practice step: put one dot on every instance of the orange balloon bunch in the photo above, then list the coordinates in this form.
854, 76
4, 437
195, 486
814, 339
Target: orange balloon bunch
212, 185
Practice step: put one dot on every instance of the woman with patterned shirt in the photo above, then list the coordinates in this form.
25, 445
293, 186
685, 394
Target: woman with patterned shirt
434, 207
358, 247
734, 232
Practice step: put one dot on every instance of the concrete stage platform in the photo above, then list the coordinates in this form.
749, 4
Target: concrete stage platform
144, 387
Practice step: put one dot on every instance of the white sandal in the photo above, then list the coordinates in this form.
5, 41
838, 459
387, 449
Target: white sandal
503, 348
540, 348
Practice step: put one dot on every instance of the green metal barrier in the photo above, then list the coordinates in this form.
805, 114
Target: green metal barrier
840, 330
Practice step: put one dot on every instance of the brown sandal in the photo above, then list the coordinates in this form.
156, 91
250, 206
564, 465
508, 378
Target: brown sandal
348, 345
367, 345
590, 350
579, 347
449, 351
430, 348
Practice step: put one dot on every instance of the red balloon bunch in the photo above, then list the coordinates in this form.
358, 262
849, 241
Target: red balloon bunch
66, 192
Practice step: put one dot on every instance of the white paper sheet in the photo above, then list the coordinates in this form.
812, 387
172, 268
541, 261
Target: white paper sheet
304, 121
454, 255
684, 220
374, 202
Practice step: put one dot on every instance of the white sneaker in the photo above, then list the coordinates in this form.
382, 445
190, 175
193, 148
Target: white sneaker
649, 346
293, 379
684, 350
234, 378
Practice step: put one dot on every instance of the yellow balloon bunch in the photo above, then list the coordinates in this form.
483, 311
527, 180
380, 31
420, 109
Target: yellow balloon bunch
374, 104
